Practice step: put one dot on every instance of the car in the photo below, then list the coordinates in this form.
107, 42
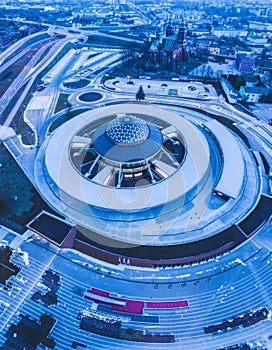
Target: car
41, 87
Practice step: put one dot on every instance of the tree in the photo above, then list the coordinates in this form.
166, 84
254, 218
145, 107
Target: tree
140, 95
237, 81
269, 97
260, 82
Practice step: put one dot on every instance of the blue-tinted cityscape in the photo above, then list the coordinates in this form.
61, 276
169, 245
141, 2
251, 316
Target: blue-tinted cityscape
136, 175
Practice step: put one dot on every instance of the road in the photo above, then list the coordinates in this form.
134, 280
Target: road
43, 57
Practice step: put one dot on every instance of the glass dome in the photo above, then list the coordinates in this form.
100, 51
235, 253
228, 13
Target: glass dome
127, 130
127, 150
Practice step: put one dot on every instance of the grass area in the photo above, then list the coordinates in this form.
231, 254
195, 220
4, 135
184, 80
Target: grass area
8, 269
62, 103
64, 118
77, 84
130, 68
11, 104
5, 76
23, 129
19, 201
134, 68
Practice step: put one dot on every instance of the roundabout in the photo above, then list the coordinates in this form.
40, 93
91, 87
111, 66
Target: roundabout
91, 96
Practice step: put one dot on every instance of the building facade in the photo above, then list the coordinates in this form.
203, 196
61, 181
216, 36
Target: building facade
168, 51
245, 63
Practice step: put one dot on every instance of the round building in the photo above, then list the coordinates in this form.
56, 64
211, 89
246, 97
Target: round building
142, 176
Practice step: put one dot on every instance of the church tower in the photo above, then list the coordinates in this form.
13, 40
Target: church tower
182, 32
182, 37
170, 29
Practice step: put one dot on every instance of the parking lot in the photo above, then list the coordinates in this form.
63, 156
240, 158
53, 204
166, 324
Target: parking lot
176, 88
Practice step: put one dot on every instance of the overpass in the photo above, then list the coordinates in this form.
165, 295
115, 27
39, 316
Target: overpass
108, 40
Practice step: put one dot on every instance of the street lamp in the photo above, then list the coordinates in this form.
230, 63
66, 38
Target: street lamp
129, 79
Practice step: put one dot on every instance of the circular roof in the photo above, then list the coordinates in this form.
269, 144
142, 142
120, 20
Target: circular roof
196, 163
127, 139
177, 205
127, 130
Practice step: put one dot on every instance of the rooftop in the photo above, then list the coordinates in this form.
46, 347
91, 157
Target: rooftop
127, 130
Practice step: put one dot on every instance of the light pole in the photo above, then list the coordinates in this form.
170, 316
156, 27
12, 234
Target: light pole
129, 79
